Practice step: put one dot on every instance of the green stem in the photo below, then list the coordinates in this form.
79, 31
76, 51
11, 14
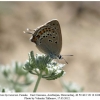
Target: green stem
37, 83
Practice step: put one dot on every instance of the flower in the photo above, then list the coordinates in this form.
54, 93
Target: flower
50, 69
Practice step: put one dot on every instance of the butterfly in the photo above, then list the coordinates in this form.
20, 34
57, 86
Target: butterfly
48, 38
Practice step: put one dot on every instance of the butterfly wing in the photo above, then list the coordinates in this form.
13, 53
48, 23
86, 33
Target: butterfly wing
56, 26
48, 38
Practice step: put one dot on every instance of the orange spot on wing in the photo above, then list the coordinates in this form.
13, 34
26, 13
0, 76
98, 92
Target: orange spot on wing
40, 33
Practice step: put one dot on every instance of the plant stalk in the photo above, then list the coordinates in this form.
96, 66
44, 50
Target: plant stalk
37, 83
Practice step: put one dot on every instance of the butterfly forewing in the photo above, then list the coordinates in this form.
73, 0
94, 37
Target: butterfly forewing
48, 38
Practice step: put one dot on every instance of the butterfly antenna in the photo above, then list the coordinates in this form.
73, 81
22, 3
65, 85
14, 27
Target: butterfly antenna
65, 60
67, 55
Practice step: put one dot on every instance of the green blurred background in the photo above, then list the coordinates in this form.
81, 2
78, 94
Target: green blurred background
80, 25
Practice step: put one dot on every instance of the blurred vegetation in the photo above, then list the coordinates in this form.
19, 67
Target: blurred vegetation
71, 87
16, 77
